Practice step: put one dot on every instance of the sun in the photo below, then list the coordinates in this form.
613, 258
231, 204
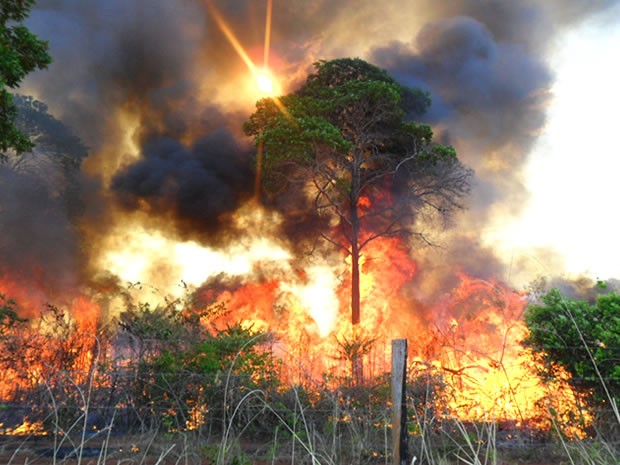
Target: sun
265, 82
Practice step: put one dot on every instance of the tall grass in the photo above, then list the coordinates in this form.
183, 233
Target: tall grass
300, 436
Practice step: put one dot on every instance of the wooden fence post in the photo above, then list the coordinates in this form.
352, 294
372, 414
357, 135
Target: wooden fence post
399, 402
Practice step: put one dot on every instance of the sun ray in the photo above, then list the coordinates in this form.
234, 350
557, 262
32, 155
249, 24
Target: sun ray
283, 109
264, 77
267, 34
231, 37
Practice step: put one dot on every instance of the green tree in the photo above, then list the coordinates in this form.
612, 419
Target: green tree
56, 157
581, 337
53, 139
344, 145
21, 52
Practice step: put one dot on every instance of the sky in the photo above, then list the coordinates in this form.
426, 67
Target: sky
572, 172
525, 91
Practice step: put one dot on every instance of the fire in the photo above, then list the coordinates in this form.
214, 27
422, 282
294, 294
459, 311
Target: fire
318, 298
59, 341
137, 254
27, 428
470, 336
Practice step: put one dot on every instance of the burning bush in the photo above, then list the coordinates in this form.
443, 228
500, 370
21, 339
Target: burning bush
187, 372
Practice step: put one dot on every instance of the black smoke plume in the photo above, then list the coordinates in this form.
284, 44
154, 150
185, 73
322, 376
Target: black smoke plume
197, 187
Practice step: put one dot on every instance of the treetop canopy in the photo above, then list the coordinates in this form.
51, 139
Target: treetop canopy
347, 105
21, 52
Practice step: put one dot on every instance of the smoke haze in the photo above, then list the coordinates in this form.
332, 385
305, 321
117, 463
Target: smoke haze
158, 94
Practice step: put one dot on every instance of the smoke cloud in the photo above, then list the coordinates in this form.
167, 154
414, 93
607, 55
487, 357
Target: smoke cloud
155, 90
39, 242
196, 187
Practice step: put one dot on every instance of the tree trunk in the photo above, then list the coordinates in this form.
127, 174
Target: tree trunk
355, 286
355, 246
259, 168
357, 365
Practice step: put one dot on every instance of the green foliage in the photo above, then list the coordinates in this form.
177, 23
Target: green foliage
334, 73
162, 323
54, 164
296, 133
21, 52
356, 346
184, 364
234, 350
347, 106
581, 337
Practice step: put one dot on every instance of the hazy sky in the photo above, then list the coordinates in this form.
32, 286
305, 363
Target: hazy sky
572, 173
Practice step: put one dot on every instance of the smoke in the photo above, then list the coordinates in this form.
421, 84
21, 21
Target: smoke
136, 55
485, 66
581, 288
195, 187
488, 100
39, 243
157, 93
489, 97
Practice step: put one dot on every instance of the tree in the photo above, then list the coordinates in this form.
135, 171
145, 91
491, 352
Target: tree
581, 337
56, 159
53, 139
21, 52
344, 145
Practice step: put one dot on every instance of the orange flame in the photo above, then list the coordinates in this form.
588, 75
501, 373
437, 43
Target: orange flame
470, 335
